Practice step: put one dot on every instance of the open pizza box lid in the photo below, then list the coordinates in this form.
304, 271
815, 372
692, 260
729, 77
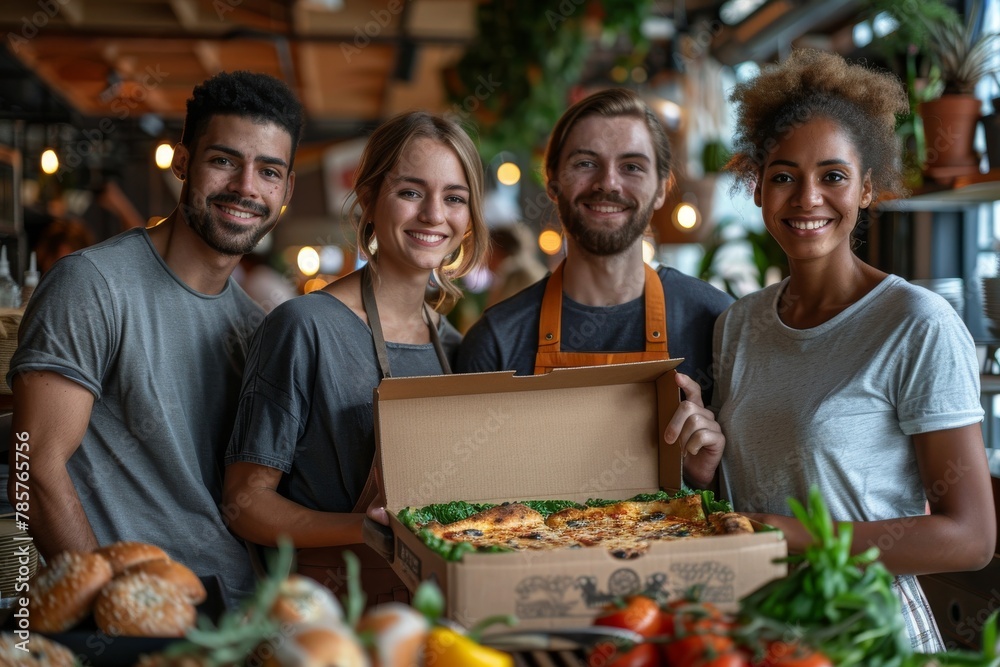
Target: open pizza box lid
572, 434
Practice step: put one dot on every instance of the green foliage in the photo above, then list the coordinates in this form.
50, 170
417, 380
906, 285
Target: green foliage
514, 80
962, 56
842, 603
765, 253
914, 17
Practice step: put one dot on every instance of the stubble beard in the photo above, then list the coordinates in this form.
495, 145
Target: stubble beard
604, 242
225, 237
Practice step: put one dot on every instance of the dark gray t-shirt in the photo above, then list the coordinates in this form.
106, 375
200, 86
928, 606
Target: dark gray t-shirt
164, 363
306, 405
506, 336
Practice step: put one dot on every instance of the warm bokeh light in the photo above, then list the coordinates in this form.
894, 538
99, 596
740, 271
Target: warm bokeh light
648, 251
639, 75
50, 161
308, 261
686, 216
164, 155
508, 173
550, 241
313, 284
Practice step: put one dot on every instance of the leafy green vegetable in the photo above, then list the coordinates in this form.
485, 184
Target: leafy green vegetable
445, 513
547, 507
453, 551
841, 603
712, 505
641, 498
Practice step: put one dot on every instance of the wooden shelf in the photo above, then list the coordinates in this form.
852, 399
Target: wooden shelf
966, 191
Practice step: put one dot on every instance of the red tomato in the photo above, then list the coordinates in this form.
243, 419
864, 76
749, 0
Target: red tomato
730, 659
695, 648
781, 654
689, 612
643, 655
640, 614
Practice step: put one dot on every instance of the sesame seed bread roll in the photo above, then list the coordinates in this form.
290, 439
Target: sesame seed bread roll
177, 574
122, 555
63, 592
42, 652
141, 605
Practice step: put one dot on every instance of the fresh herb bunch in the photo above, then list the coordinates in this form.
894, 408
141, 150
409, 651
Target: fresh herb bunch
239, 632
841, 603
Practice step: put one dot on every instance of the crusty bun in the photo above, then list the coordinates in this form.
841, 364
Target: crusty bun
140, 605
126, 554
63, 592
177, 574
41, 652
304, 600
315, 645
399, 632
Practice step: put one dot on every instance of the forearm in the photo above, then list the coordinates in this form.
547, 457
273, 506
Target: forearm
263, 515
56, 518
923, 544
51, 414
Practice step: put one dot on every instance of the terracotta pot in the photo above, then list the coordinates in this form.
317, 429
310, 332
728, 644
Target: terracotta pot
949, 129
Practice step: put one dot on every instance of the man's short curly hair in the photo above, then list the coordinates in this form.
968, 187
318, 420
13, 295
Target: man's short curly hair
259, 97
814, 84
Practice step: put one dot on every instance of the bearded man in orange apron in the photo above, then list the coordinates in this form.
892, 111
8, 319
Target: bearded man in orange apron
607, 168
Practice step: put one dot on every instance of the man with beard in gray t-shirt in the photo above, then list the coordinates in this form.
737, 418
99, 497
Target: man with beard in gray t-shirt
131, 352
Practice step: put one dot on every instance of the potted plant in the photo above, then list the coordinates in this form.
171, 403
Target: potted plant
950, 120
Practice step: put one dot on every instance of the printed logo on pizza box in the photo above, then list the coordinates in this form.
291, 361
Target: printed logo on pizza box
409, 559
568, 596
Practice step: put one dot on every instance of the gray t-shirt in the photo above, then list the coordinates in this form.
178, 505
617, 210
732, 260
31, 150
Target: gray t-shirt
836, 405
306, 404
164, 363
506, 336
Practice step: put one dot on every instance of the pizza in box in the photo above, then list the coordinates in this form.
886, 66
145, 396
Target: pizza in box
626, 528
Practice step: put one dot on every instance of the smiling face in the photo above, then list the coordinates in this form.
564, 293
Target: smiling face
811, 190
237, 180
606, 187
422, 211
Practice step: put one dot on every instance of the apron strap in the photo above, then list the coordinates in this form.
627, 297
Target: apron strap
656, 312
371, 310
550, 318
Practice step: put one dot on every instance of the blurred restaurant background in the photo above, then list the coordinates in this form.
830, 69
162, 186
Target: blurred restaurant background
92, 97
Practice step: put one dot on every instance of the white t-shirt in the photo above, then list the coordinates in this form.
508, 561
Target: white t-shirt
835, 405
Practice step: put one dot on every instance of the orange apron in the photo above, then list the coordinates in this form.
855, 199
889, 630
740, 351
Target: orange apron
550, 355
326, 564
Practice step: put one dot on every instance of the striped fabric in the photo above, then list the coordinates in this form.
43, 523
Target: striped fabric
920, 624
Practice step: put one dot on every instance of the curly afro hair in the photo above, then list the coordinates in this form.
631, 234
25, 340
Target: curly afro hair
260, 97
811, 84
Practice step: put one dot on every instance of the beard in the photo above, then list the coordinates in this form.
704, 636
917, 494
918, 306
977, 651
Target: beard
599, 241
226, 237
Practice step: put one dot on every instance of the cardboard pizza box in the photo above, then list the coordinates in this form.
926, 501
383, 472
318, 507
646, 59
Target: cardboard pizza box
572, 434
